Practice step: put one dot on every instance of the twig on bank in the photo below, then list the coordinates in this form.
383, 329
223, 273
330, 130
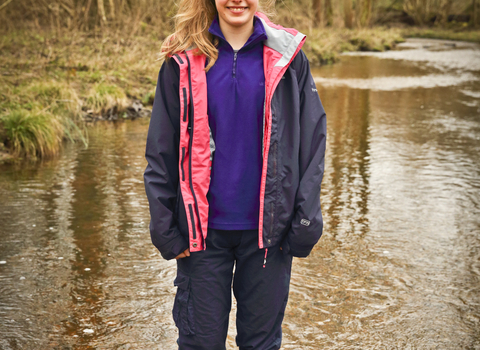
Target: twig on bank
5, 4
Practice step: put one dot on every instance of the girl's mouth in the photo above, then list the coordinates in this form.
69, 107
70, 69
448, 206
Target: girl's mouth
237, 9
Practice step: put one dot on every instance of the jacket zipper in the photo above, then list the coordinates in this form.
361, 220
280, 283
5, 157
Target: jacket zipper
191, 121
272, 206
193, 221
183, 160
184, 104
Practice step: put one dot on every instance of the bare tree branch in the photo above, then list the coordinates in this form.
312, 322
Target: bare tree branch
5, 4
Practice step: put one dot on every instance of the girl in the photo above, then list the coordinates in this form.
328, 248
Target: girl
235, 153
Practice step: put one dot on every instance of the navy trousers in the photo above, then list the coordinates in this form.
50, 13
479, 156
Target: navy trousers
203, 299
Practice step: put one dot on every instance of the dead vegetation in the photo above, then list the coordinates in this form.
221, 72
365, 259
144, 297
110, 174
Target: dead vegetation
68, 62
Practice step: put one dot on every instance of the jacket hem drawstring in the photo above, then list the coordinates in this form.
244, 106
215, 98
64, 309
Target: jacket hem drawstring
265, 258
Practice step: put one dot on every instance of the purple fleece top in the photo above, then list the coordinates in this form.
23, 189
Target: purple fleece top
236, 93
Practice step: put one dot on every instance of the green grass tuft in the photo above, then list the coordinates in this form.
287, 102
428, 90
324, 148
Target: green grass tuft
148, 98
32, 134
38, 133
58, 97
102, 97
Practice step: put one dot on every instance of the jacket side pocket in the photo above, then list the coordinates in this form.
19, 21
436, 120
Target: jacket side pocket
183, 306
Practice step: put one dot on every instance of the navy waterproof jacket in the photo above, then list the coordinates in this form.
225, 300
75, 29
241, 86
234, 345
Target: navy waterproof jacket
180, 149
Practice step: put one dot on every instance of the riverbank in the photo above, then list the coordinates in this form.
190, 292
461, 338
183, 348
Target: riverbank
323, 46
457, 34
52, 86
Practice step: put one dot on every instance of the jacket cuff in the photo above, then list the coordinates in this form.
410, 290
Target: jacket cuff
175, 247
299, 251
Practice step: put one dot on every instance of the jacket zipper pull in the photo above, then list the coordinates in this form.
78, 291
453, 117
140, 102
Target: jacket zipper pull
234, 73
265, 258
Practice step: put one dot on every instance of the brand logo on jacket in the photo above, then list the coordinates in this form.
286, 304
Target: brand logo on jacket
305, 222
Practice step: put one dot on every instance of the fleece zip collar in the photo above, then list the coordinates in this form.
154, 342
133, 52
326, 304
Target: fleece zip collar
258, 34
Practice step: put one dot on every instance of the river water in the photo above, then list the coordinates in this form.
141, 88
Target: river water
398, 266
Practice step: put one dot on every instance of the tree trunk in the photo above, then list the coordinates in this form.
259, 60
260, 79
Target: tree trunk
475, 13
101, 11
446, 10
328, 13
419, 10
112, 9
366, 15
317, 11
85, 15
348, 13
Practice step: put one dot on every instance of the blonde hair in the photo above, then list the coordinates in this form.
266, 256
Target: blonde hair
192, 21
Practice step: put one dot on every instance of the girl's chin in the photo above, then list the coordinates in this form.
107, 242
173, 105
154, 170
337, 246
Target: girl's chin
238, 19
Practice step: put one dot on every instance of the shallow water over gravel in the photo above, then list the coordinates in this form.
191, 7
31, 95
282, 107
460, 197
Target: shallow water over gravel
398, 266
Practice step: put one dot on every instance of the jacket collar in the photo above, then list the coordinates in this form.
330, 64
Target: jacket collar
258, 34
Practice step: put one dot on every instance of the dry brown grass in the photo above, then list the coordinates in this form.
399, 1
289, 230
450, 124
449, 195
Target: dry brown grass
60, 76
324, 45
52, 73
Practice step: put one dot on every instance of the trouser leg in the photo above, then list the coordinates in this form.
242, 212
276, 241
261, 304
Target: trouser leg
203, 299
261, 293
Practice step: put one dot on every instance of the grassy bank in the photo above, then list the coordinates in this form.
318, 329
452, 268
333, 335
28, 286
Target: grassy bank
323, 46
50, 85
460, 34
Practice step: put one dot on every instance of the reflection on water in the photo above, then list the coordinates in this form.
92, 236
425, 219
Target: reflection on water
80, 269
398, 265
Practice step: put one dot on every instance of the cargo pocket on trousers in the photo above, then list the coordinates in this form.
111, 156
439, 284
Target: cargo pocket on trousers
183, 306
